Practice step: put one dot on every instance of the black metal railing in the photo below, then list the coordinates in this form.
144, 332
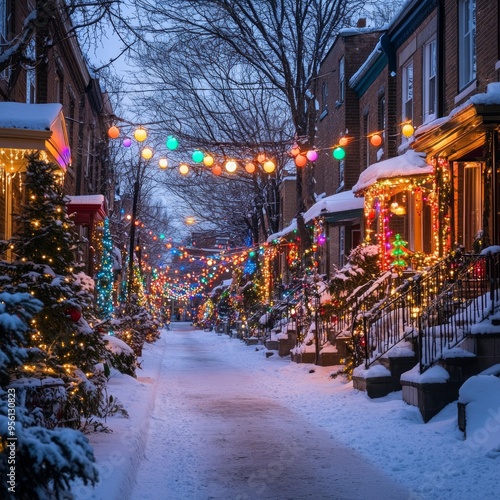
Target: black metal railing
436, 306
464, 302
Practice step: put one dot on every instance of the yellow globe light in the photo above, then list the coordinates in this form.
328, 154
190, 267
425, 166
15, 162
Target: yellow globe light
140, 135
190, 220
147, 153
261, 157
113, 132
183, 169
250, 167
231, 166
408, 130
269, 166
163, 162
208, 161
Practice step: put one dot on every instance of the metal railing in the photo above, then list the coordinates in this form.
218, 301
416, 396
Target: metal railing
437, 306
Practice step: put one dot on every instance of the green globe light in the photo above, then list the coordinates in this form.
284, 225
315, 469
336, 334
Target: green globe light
197, 156
339, 153
172, 142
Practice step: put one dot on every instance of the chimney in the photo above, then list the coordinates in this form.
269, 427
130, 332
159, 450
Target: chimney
361, 22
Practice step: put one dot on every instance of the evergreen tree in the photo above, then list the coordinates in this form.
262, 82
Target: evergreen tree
45, 245
104, 276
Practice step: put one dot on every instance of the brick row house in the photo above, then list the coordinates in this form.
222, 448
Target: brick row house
51, 102
416, 107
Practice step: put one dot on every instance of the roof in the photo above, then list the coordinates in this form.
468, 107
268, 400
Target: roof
35, 126
408, 164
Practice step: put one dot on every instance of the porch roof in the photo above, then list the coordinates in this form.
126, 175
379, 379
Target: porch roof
463, 129
88, 208
408, 164
35, 127
337, 208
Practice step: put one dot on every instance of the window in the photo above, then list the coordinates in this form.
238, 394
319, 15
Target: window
381, 123
3, 32
324, 97
466, 42
341, 79
366, 122
341, 173
30, 73
407, 92
429, 80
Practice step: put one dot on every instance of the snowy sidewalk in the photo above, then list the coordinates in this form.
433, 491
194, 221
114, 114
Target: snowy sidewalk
430, 460
119, 452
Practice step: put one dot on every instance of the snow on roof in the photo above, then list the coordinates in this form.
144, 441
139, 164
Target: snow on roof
90, 199
490, 97
405, 165
28, 116
339, 202
335, 203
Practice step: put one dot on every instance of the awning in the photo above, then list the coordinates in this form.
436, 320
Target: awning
35, 127
409, 164
87, 209
338, 208
464, 129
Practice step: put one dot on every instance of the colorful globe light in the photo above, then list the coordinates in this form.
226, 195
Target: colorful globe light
147, 153
231, 166
301, 160
127, 142
261, 157
197, 156
172, 143
339, 153
250, 167
376, 140
269, 166
113, 132
208, 161
163, 162
343, 141
183, 169
408, 130
312, 155
216, 170
140, 135
295, 150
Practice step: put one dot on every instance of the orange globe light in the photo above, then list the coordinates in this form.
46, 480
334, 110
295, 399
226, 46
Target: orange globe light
375, 140
231, 166
163, 162
295, 150
300, 160
250, 167
343, 141
408, 130
269, 166
261, 157
113, 132
208, 161
183, 169
216, 170
147, 153
140, 135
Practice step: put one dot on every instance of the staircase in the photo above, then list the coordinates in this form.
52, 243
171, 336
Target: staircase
432, 314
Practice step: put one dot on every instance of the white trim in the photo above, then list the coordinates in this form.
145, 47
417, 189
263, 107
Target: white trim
466, 91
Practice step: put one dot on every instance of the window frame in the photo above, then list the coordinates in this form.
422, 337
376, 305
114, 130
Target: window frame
466, 43
407, 92
429, 77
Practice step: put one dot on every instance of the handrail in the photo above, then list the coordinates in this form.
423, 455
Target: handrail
421, 303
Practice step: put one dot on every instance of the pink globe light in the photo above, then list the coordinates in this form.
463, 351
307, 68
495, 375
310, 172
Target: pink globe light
312, 155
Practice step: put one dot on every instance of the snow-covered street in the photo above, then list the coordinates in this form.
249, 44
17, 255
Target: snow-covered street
220, 431
213, 418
